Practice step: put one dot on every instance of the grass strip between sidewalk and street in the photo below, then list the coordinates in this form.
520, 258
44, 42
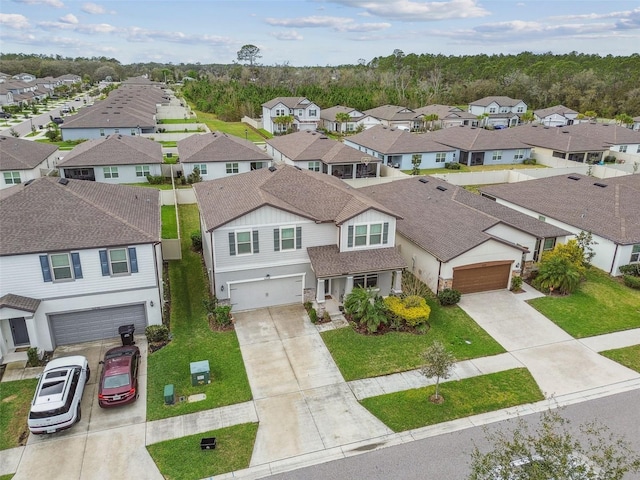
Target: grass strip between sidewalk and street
15, 402
411, 409
627, 356
183, 459
363, 356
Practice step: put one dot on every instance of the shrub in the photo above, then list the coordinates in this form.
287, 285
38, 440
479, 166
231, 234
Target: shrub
313, 315
157, 333
631, 281
452, 166
449, 296
610, 159
413, 310
196, 241
632, 269
155, 179
222, 315
516, 283
529, 161
366, 308
33, 357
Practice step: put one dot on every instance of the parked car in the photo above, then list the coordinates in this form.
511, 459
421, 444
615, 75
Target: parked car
57, 120
56, 402
5, 115
119, 378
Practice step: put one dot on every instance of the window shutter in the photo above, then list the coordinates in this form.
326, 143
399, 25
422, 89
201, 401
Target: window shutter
77, 269
385, 233
276, 239
46, 271
104, 263
232, 244
350, 236
133, 259
256, 243
298, 238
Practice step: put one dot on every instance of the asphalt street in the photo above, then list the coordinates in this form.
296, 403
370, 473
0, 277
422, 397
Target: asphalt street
448, 456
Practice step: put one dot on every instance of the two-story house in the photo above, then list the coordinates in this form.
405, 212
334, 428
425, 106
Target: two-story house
395, 116
498, 111
217, 155
556, 116
23, 160
331, 119
113, 159
78, 260
305, 115
279, 235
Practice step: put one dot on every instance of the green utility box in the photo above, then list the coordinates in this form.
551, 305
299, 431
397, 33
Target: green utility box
169, 395
200, 373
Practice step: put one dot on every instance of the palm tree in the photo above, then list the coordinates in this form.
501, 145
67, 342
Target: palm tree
343, 118
366, 307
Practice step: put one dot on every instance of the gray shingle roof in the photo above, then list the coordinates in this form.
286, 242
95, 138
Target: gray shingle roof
556, 109
114, 150
314, 146
328, 261
391, 113
444, 112
312, 195
394, 141
500, 100
219, 147
448, 223
290, 102
611, 212
477, 139
19, 154
18, 302
46, 215
330, 113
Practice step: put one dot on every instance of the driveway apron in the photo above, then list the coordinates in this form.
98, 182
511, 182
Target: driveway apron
303, 403
559, 363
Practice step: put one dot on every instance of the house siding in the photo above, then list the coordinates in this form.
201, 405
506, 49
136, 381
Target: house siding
126, 173
219, 169
370, 216
419, 262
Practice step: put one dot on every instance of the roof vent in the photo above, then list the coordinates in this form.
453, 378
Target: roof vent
28, 182
297, 167
423, 180
601, 185
573, 177
63, 181
441, 188
272, 169
323, 137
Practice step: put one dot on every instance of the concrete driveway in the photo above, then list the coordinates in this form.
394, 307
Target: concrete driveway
106, 443
559, 363
302, 401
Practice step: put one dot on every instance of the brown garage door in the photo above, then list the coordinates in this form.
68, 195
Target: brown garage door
482, 277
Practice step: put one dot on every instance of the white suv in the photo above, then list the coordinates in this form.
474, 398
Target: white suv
56, 403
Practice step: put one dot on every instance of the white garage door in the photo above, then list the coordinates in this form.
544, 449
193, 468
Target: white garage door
89, 325
266, 293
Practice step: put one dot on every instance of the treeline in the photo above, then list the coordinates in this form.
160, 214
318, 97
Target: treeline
608, 85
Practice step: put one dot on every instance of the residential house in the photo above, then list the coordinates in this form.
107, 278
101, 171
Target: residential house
447, 116
317, 152
23, 93
77, 261
556, 116
217, 155
608, 209
394, 116
498, 111
23, 160
281, 235
478, 146
357, 120
305, 114
400, 149
113, 159
452, 238
6, 95
25, 77
636, 123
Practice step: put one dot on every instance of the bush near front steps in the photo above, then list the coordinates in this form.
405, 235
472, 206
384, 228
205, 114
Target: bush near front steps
411, 310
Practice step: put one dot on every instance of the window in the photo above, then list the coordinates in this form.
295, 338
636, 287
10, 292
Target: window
366, 281
623, 148
368, 234
119, 261
257, 165
300, 112
243, 242
492, 110
520, 110
12, 178
635, 254
110, 172
60, 267
313, 113
280, 112
314, 166
202, 167
287, 238
542, 218
497, 155
102, 132
549, 243
133, 132
232, 168
142, 170
519, 155
116, 130
441, 157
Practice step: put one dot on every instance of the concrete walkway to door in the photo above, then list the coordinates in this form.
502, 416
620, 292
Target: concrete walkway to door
302, 401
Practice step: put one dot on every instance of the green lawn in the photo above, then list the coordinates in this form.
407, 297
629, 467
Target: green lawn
411, 409
182, 458
362, 356
600, 305
178, 121
15, 399
628, 356
169, 222
161, 186
237, 129
193, 341
476, 168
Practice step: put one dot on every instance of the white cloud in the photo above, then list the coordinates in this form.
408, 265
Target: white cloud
290, 35
51, 3
14, 20
93, 9
69, 18
339, 24
418, 11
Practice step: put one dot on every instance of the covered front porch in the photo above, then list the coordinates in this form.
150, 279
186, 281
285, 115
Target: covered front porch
17, 327
338, 273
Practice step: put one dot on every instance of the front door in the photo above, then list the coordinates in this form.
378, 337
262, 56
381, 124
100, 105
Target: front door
19, 331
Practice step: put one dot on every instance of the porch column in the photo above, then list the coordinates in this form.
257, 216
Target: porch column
348, 286
320, 291
397, 282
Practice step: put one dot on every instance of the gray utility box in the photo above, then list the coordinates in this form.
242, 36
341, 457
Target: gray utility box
200, 373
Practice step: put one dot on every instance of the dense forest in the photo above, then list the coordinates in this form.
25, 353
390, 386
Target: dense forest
608, 85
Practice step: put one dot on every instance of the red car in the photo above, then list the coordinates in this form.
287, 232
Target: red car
119, 378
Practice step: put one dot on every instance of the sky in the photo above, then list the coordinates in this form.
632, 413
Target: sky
314, 32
